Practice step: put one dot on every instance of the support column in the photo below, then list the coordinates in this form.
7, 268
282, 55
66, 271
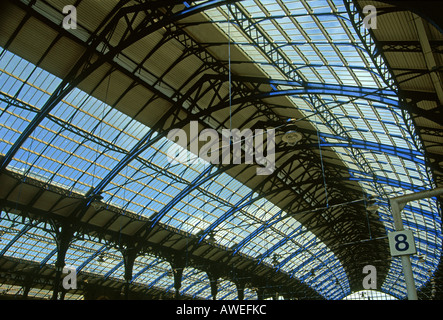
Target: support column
63, 236
260, 293
178, 274
26, 289
129, 256
397, 204
240, 289
177, 265
62, 294
405, 259
213, 280
27, 285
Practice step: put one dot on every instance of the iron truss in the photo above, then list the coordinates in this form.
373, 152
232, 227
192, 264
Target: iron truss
86, 143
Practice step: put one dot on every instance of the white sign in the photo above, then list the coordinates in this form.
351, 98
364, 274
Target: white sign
401, 243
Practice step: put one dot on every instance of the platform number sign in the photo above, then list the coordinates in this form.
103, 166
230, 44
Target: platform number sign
401, 243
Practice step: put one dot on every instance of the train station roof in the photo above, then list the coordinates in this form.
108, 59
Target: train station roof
354, 102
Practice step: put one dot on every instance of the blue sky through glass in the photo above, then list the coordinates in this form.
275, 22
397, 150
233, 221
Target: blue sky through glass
83, 139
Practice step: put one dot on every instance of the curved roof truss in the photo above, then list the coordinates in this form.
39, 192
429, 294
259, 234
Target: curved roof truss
86, 178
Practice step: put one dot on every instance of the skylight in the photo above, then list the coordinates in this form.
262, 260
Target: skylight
319, 40
83, 139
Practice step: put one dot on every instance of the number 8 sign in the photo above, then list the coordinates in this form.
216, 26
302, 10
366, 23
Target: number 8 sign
401, 243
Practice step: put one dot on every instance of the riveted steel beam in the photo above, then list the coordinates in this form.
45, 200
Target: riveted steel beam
87, 67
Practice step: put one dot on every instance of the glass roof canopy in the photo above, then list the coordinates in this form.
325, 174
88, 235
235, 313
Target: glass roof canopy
319, 40
83, 139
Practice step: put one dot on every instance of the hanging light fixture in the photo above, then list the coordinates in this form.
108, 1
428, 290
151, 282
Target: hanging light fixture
101, 259
275, 260
372, 207
292, 137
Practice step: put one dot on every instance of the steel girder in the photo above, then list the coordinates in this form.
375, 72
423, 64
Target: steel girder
256, 95
376, 53
203, 177
25, 229
277, 217
105, 181
85, 64
377, 50
109, 177
247, 26
195, 97
303, 88
91, 136
87, 67
360, 176
208, 62
363, 145
403, 153
199, 261
371, 43
203, 113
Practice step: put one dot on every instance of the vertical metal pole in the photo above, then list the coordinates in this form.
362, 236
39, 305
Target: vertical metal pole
409, 277
405, 259
397, 205
129, 256
63, 240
